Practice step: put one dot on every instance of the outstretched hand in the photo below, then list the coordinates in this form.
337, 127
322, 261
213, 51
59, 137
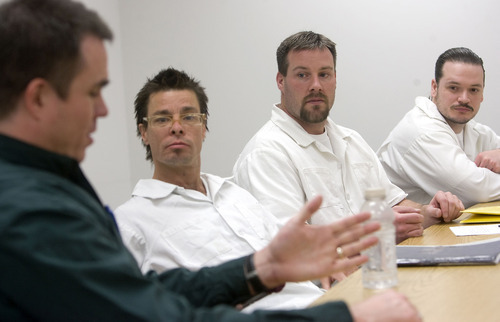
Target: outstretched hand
302, 252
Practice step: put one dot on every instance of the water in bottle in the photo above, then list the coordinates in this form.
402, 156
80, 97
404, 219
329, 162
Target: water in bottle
380, 271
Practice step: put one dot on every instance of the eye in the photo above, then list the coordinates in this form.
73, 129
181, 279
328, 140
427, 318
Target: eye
189, 117
161, 120
301, 75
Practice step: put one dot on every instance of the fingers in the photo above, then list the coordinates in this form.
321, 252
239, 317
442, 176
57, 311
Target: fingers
408, 225
308, 210
326, 282
348, 222
449, 204
353, 248
349, 239
405, 209
347, 264
408, 218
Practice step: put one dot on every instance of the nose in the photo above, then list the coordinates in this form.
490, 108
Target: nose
101, 108
315, 84
463, 98
176, 127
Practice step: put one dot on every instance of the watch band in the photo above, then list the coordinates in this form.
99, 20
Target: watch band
253, 278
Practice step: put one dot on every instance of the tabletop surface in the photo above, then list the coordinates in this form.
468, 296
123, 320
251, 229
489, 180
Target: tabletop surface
440, 293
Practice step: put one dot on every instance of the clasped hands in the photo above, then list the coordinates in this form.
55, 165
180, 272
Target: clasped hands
412, 218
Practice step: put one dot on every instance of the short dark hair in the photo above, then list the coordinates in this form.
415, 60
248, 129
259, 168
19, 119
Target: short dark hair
458, 54
166, 80
304, 40
41, 38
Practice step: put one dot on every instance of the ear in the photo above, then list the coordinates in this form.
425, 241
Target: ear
38, 96
280, 80
144, 134
434, 88
204, 134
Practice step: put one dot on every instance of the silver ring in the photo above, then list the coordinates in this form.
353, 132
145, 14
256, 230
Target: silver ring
340, 252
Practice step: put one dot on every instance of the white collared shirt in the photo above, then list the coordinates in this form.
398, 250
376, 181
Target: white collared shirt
422, 155
166, 226
283, 166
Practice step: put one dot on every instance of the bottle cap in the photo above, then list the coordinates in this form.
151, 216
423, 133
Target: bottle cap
375, 193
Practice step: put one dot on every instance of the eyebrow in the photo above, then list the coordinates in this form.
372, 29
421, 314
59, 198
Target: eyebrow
457, 83
185, 109
306, 68
103, 83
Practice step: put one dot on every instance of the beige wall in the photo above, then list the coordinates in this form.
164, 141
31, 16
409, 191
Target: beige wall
386, 55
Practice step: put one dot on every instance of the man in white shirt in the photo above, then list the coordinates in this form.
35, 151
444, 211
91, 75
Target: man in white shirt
301, 152
184, 218
438, 146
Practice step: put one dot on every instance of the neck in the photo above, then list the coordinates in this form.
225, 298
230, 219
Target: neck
457, 128
188, 178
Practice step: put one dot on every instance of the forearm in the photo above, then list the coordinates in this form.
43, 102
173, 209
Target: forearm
222, 284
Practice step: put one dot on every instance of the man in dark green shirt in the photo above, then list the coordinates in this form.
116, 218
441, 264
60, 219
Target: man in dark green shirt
60, 251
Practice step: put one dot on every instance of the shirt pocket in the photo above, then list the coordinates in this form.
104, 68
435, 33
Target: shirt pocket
365, 175
262, 223
324, 182
195, 243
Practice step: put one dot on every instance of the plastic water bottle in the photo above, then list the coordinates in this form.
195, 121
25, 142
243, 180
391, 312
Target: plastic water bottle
380, 271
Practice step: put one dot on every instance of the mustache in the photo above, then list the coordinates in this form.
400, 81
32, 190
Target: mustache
463, 105
315, 95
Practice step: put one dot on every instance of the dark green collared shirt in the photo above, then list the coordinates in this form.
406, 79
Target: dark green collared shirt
62, 258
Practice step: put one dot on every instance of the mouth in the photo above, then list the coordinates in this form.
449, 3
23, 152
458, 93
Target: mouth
177, 145
315, 99
463, 108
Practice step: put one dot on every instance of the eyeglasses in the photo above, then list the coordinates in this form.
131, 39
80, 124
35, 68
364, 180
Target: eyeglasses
188, 119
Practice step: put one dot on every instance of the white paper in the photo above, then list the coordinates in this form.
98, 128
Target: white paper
470, 230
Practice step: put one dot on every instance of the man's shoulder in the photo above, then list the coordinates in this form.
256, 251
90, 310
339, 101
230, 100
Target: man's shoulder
422, 120
28, 190
481, 129
270, 137
227, 183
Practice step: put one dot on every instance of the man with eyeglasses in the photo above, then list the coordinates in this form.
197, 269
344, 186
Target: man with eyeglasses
184, 218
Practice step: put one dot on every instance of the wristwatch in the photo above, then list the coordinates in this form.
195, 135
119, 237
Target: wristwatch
253, 279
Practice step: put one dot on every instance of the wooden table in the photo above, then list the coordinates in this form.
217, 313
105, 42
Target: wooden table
440, 293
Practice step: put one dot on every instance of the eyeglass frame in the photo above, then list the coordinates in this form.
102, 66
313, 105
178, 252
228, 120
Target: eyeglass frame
203, 117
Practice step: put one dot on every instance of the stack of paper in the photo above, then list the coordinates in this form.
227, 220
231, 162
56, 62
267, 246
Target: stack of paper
486, 252
483, 214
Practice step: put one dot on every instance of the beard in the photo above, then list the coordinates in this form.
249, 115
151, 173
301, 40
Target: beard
318, 113
447, 113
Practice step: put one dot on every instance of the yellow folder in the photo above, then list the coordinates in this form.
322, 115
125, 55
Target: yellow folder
483, 213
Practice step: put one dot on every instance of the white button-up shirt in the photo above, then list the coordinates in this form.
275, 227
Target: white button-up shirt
283, 166
422, 155
166, 226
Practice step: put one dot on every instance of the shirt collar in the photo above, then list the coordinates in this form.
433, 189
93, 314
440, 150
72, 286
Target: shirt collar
285, 122
157, 189
24, 154
430, 109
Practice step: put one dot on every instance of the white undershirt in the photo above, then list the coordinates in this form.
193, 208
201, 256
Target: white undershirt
460, 137
323, 139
